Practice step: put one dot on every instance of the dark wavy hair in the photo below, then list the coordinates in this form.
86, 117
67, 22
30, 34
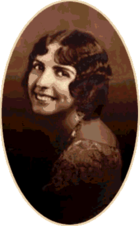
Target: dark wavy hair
80, 50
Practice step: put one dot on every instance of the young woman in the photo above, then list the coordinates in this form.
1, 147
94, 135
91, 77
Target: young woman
66, 83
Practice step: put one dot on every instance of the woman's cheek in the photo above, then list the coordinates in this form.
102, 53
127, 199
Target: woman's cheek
64, 87
32, 79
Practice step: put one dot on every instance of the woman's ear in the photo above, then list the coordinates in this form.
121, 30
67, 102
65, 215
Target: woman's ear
80, 115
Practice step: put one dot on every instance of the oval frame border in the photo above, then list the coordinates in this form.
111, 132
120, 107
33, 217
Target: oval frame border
49, 4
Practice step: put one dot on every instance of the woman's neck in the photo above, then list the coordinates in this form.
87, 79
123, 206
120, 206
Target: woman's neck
60, 125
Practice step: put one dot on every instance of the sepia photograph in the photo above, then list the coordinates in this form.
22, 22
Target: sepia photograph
69, 113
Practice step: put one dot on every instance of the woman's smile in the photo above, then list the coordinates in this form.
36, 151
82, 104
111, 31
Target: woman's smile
48, 84
44, 99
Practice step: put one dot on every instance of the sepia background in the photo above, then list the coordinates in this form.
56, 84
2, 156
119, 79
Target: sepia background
120, 113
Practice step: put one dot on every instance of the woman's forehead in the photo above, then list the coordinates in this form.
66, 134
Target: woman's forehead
51, 49
49, 57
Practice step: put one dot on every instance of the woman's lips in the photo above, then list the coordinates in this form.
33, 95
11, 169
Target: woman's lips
43, 98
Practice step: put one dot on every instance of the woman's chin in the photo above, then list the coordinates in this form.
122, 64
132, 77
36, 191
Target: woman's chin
54, 113
44, 111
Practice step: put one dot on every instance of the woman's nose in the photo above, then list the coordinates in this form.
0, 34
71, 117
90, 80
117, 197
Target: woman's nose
46, 79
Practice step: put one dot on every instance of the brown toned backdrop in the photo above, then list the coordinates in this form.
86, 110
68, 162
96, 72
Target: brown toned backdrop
120, 114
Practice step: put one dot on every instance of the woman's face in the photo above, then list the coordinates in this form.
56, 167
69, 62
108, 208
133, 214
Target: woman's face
48, 84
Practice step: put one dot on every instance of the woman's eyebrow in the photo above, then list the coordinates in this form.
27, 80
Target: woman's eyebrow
40, 62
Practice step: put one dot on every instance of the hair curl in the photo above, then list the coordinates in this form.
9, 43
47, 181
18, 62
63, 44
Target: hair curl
80, 50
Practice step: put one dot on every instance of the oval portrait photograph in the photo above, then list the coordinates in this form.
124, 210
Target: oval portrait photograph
69, 112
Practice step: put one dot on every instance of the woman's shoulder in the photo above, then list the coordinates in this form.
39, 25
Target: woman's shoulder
90, 152
89, 161
96, 130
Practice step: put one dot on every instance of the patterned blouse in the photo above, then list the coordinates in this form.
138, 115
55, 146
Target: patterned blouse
72, 186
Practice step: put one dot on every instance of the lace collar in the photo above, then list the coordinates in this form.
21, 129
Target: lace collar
61, 146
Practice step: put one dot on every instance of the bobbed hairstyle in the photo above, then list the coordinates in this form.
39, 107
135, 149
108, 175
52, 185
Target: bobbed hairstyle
80, 50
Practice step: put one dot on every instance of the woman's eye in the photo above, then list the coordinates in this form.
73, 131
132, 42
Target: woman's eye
63, 74
38, 67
